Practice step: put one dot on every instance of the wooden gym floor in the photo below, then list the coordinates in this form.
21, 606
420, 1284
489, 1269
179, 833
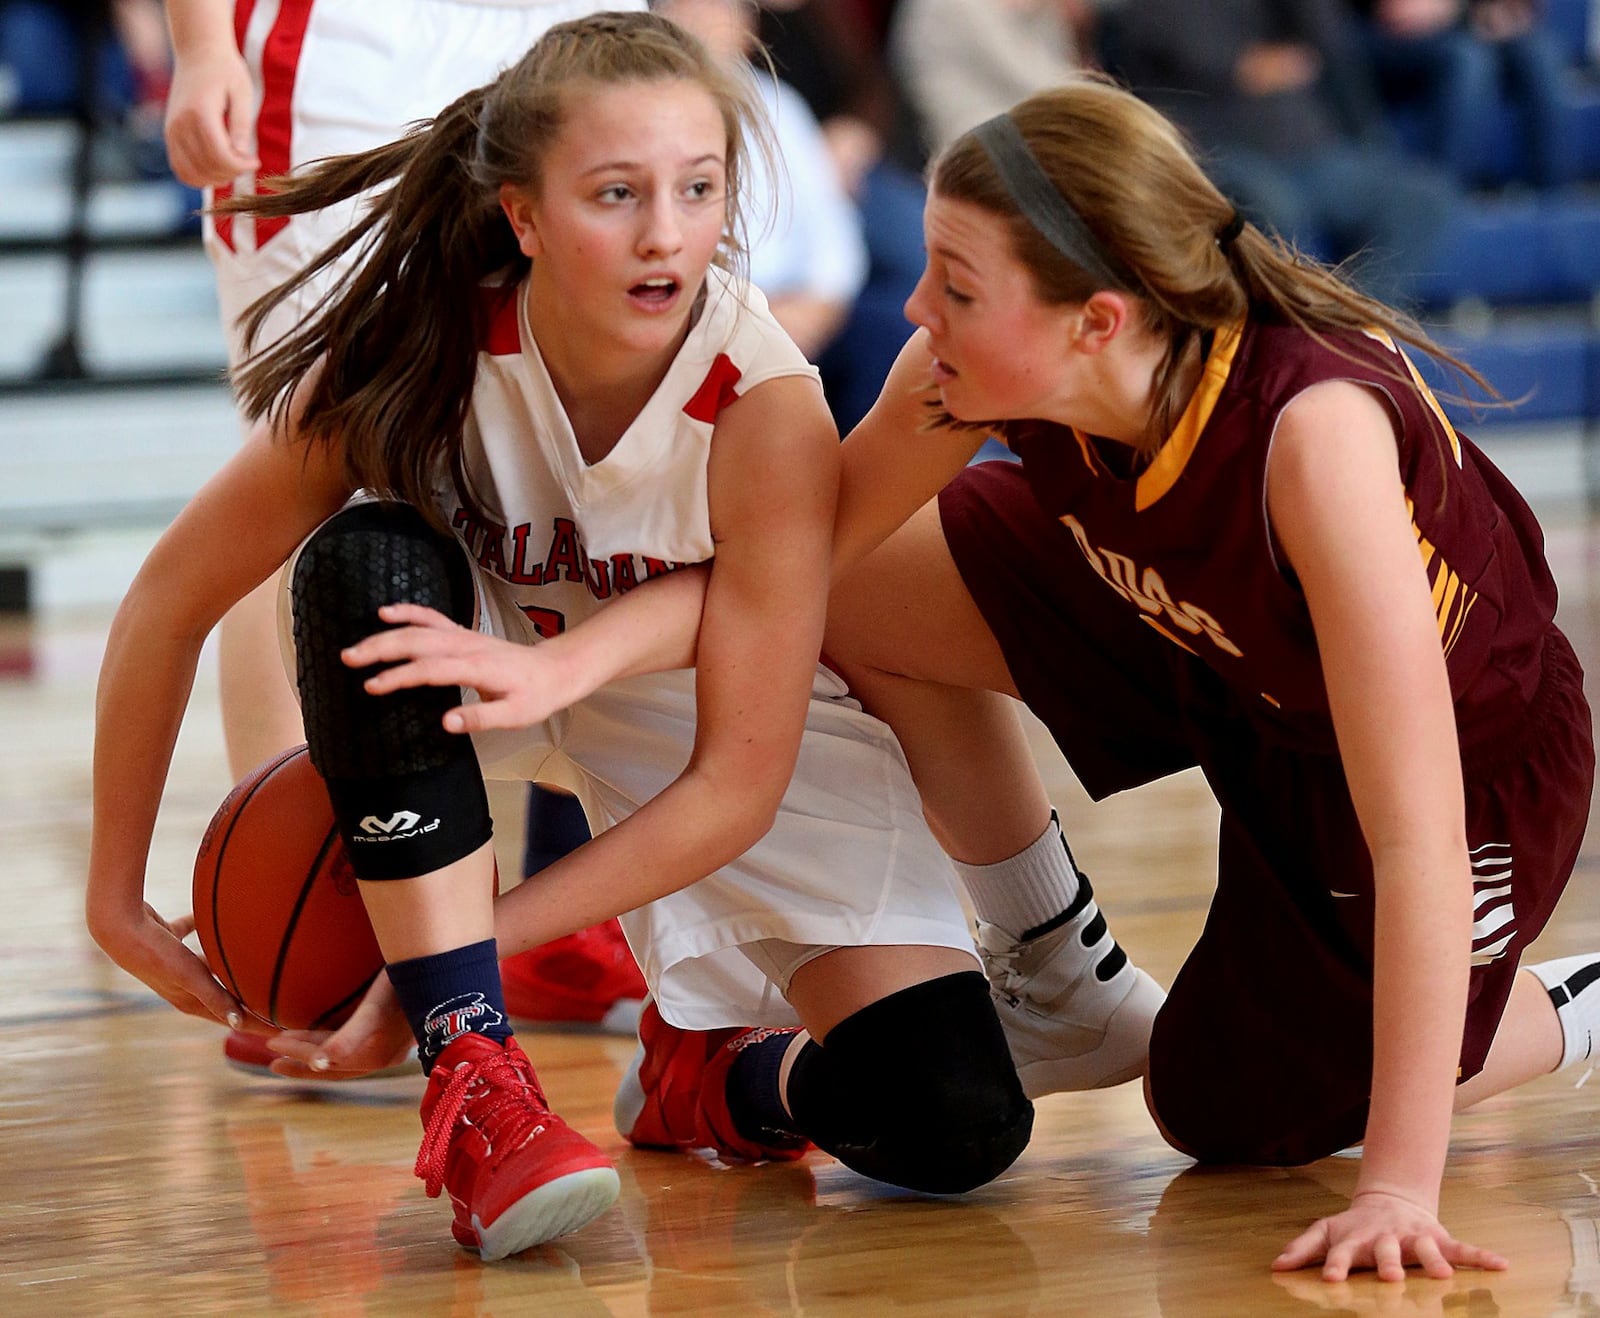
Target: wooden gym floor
139, 1175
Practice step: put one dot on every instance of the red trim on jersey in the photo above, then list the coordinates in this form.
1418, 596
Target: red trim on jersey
716, 391
222, 225
280, 61
498, 333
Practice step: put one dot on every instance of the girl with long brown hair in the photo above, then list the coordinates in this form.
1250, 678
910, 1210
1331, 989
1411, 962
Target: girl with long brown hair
258, 91
1242, 535
550, 387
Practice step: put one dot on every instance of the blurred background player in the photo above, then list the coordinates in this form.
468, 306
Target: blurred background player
807, 250
961, 62
831, 53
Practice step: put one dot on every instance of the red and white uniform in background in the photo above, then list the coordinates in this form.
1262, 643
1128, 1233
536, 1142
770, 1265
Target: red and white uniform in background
337, 76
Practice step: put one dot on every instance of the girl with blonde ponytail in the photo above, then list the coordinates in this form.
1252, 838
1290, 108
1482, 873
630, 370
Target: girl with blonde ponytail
545, 440
1242, 535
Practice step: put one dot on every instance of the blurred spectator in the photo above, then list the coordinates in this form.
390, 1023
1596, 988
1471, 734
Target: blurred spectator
1460, 63
1282, 105
45, 49
108, 61
829, 51
807, 251
141, 28
964, 61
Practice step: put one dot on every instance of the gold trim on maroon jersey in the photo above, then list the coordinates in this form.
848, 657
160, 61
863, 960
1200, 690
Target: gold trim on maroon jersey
1162, 474
1422, 389
1452, 599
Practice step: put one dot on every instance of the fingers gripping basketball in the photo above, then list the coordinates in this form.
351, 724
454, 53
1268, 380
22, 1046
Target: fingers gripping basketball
276, 905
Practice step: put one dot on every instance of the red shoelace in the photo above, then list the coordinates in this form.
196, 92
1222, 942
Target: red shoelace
510, 1109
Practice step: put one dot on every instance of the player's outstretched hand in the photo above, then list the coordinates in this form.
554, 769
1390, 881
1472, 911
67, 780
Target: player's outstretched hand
151, 949
517, 685
209, 111
375, 1038
1385, 1232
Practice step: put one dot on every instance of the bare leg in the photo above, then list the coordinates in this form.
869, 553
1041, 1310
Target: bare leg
840, 983
1526, 1046
260, 715
906, 635
436, 912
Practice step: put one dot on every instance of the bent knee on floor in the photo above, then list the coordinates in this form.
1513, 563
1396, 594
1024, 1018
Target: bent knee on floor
917, 1090
959, 1131
951, 1160
1161, 1126
1219, 1125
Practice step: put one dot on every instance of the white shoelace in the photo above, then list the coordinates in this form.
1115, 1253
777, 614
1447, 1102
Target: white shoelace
1000, 964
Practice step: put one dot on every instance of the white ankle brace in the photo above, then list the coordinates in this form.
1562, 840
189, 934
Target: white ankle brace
1574, 986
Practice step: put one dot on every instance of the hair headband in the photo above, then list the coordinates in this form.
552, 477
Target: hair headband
1042, 204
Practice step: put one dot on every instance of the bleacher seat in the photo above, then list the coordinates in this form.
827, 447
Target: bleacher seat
1572, 235
1546, 370
1592, 401
1519, 252
39, 47
1569, 21
1583, 129
1496, 251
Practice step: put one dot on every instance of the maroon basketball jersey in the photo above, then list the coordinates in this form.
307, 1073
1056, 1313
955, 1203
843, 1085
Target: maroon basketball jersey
1186, 540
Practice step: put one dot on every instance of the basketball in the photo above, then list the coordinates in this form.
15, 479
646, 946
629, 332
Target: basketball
275, 901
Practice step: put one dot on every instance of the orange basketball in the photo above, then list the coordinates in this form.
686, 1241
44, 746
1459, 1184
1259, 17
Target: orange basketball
275, 901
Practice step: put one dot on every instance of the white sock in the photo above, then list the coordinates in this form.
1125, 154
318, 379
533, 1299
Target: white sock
1030, 889
1574, 985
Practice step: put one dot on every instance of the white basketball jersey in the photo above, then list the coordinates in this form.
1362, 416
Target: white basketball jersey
848, 860
567, 535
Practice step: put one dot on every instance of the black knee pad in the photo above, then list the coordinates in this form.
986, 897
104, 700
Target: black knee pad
917, 1090
408, 795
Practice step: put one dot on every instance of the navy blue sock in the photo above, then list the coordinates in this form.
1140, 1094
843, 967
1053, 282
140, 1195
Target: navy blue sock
450, 994
755, 1101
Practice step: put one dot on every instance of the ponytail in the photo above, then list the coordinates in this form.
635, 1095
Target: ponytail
384, 363
1159, 230
397, 341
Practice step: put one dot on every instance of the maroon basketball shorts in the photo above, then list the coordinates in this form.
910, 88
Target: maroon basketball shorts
1263, 1050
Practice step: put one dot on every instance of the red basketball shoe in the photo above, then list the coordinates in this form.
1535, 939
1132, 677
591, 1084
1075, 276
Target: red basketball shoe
674, 1095
518, 1175
588, 978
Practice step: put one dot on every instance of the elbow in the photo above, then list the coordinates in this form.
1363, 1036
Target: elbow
754, 823
149, 610
748, 810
